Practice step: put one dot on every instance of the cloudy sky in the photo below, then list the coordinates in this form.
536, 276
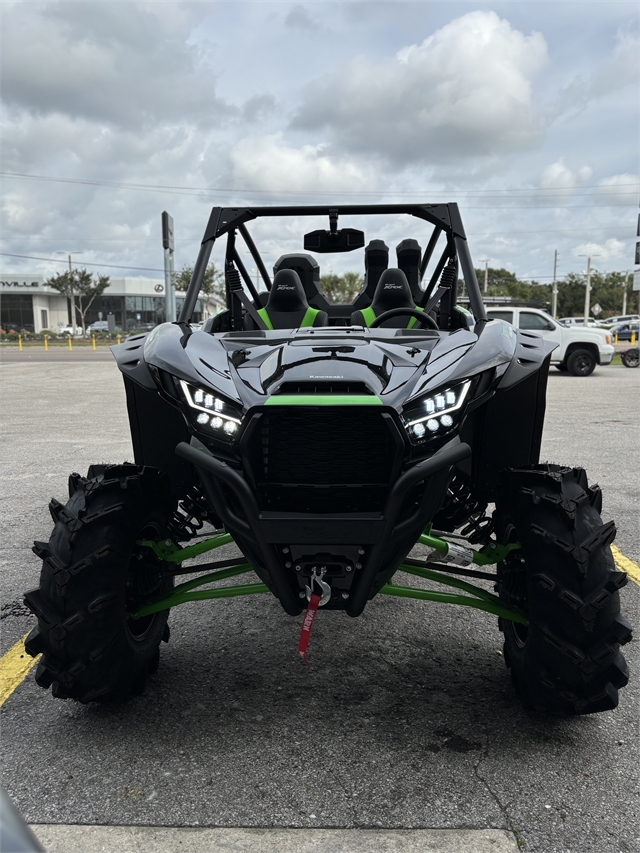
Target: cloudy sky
525, 113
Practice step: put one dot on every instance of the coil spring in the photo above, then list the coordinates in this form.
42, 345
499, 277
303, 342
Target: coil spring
190, 515
462, 508
449, 277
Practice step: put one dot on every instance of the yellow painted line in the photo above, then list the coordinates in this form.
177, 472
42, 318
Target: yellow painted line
626, 565
15, 665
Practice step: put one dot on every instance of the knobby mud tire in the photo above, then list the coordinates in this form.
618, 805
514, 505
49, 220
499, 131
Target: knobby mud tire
93, 574
568, 660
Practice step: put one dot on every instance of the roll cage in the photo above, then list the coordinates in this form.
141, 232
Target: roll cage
445, 219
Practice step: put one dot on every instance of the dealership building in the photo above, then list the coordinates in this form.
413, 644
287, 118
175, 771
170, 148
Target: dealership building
26, 303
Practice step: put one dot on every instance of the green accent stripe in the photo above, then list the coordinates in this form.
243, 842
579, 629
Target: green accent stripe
266, 319
323, 400
368, 315
309, 317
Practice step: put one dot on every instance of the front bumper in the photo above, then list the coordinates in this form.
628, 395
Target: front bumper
384, 537
606, 354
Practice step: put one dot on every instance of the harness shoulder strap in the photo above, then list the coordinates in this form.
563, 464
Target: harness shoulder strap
262, 313
368, 315
414, 320
309, 317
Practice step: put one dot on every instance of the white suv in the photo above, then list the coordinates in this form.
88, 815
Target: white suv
580, 348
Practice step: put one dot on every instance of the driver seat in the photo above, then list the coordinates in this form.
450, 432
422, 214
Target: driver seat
286, 306
392, 291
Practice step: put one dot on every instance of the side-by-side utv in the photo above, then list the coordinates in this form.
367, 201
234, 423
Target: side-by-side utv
326, 440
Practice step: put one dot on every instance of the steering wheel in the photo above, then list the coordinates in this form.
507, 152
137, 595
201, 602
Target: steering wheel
421, 316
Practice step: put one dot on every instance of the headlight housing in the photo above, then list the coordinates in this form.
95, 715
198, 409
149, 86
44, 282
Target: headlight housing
211, 413
437, 414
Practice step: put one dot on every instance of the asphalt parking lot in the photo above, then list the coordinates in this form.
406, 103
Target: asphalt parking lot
405, 720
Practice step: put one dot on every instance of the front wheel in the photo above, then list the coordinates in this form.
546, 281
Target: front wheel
94, 576
631, 357
567, 660
581, 362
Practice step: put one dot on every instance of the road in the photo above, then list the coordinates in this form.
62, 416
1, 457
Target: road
405, 720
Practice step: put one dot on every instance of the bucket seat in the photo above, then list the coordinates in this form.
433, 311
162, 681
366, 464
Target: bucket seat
286, 306
392, 291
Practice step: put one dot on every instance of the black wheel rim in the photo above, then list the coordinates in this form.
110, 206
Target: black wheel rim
144, 580
583, 364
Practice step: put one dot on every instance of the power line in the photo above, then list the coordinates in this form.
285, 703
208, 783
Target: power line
521, 278
183, 190
84, 264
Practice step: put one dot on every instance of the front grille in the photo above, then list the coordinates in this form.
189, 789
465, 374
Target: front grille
322, 460
310, 387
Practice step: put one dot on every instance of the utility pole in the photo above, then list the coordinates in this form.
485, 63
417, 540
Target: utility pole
624, 295
169, 289
554, 291
72, 308
587, 291
486, 273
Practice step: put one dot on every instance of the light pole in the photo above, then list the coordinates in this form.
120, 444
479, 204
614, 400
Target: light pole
169, 288
72, 311
587, 291
624, 293
554, 291
485, 261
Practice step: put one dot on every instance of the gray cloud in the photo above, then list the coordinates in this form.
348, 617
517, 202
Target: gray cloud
113, 63
465, 92
258, 108
299, 18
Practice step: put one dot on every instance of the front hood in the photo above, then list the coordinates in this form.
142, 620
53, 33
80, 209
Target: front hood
394, 365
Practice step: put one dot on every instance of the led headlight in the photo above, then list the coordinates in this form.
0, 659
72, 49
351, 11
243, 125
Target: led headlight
214, 415
435, 415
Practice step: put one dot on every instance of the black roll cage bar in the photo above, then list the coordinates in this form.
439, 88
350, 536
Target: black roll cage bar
229, 220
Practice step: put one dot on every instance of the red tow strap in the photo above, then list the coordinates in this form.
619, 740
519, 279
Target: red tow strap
307, 625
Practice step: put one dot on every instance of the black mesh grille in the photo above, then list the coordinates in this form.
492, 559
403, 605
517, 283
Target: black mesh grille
322, 460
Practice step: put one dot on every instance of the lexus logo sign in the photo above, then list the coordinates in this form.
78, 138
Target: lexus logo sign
159, 288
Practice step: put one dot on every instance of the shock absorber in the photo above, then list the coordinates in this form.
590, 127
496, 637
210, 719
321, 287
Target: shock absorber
462, 508
448, 279
190, 516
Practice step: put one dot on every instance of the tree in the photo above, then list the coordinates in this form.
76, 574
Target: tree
341, 288
212, 283
78, 286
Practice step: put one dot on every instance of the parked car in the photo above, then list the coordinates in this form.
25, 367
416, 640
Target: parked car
577, 321
98, 326
624, 331
70, 330
622, 318
580, 348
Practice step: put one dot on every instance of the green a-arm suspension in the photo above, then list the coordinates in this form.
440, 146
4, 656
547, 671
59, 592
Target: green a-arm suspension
477, 597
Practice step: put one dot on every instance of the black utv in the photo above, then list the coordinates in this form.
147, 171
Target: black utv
325, 440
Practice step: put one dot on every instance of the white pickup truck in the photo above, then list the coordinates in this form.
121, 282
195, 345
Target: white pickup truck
579, 349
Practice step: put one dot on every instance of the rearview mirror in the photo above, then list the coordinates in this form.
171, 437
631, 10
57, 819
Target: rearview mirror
345, 240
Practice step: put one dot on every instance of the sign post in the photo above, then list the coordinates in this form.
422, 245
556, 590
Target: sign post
168, 246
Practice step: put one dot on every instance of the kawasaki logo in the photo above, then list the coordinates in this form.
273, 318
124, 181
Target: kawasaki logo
313, 376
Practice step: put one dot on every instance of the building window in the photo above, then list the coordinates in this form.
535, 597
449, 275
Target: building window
196, 316
44, 318
16, 312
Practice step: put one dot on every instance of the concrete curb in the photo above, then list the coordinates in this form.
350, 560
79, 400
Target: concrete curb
159, 839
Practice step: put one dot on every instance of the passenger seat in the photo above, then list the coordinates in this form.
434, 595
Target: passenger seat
286, 306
